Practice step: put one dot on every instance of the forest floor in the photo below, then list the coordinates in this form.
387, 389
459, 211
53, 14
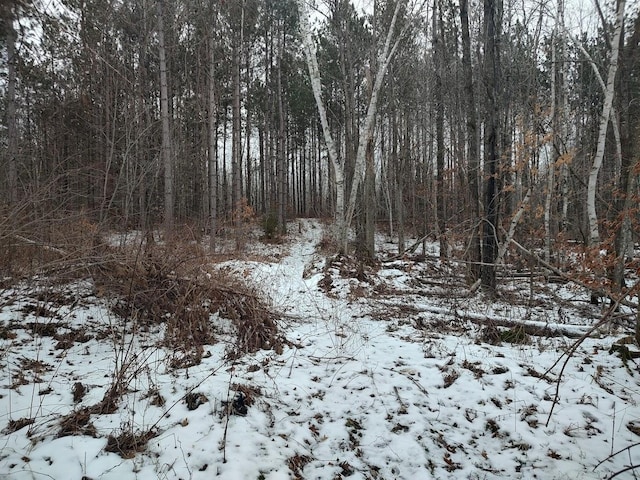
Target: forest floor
386, 372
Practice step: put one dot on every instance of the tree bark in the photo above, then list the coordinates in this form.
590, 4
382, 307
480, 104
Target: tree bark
594, 233
12, 131
491, 150
473, 168
166, 148
213, 145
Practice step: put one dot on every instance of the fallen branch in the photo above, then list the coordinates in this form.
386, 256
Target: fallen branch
530, 327
412, 248
571, 350
50, 248
564, 275
502, 250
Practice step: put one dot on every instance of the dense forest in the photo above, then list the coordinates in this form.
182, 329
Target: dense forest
477, 123
289, 239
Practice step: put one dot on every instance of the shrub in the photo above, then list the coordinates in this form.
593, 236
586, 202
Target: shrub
270, 226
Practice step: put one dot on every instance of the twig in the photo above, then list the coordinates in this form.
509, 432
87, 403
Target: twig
227, 412
415, 382
624, 470
403, 406
569, 353
629, 447
613, 426
566, 276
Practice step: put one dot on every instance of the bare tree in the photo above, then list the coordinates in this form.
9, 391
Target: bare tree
594, 233
492, 27
473, 163
166, 149
345, 211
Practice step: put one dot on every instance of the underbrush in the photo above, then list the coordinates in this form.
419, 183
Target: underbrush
177, 285
175, 288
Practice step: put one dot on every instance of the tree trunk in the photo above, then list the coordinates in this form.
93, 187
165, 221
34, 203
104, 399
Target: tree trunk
491, 150
594, 233
236, 134
438, 55
345, 212
473, 163
630, 146
383, 62
166, 149
370, 204
281, 167
337, 166
551, 161
213, 146
12, 131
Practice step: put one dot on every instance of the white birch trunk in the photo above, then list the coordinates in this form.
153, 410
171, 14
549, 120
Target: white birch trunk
613, 116
384, 59
594, 233
345, 216
564, 95
316, 86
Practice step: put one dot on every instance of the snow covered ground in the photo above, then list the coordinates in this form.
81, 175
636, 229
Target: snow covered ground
386, 376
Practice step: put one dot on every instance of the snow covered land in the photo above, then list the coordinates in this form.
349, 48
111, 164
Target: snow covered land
387, 372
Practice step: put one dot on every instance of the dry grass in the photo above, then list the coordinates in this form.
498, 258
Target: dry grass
170, 284
77, 423
15, 425
36, 239
128, 443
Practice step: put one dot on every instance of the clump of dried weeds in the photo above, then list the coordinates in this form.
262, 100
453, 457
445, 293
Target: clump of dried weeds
178, 285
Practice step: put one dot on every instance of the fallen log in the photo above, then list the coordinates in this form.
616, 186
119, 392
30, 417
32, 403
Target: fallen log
530, 327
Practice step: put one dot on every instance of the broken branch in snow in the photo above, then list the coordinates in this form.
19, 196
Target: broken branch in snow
530, 327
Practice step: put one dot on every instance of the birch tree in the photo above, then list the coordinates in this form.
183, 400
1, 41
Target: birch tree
594, 233
554, 126
344, 211
337, 165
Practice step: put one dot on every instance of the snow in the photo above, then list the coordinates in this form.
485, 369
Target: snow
383, 379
